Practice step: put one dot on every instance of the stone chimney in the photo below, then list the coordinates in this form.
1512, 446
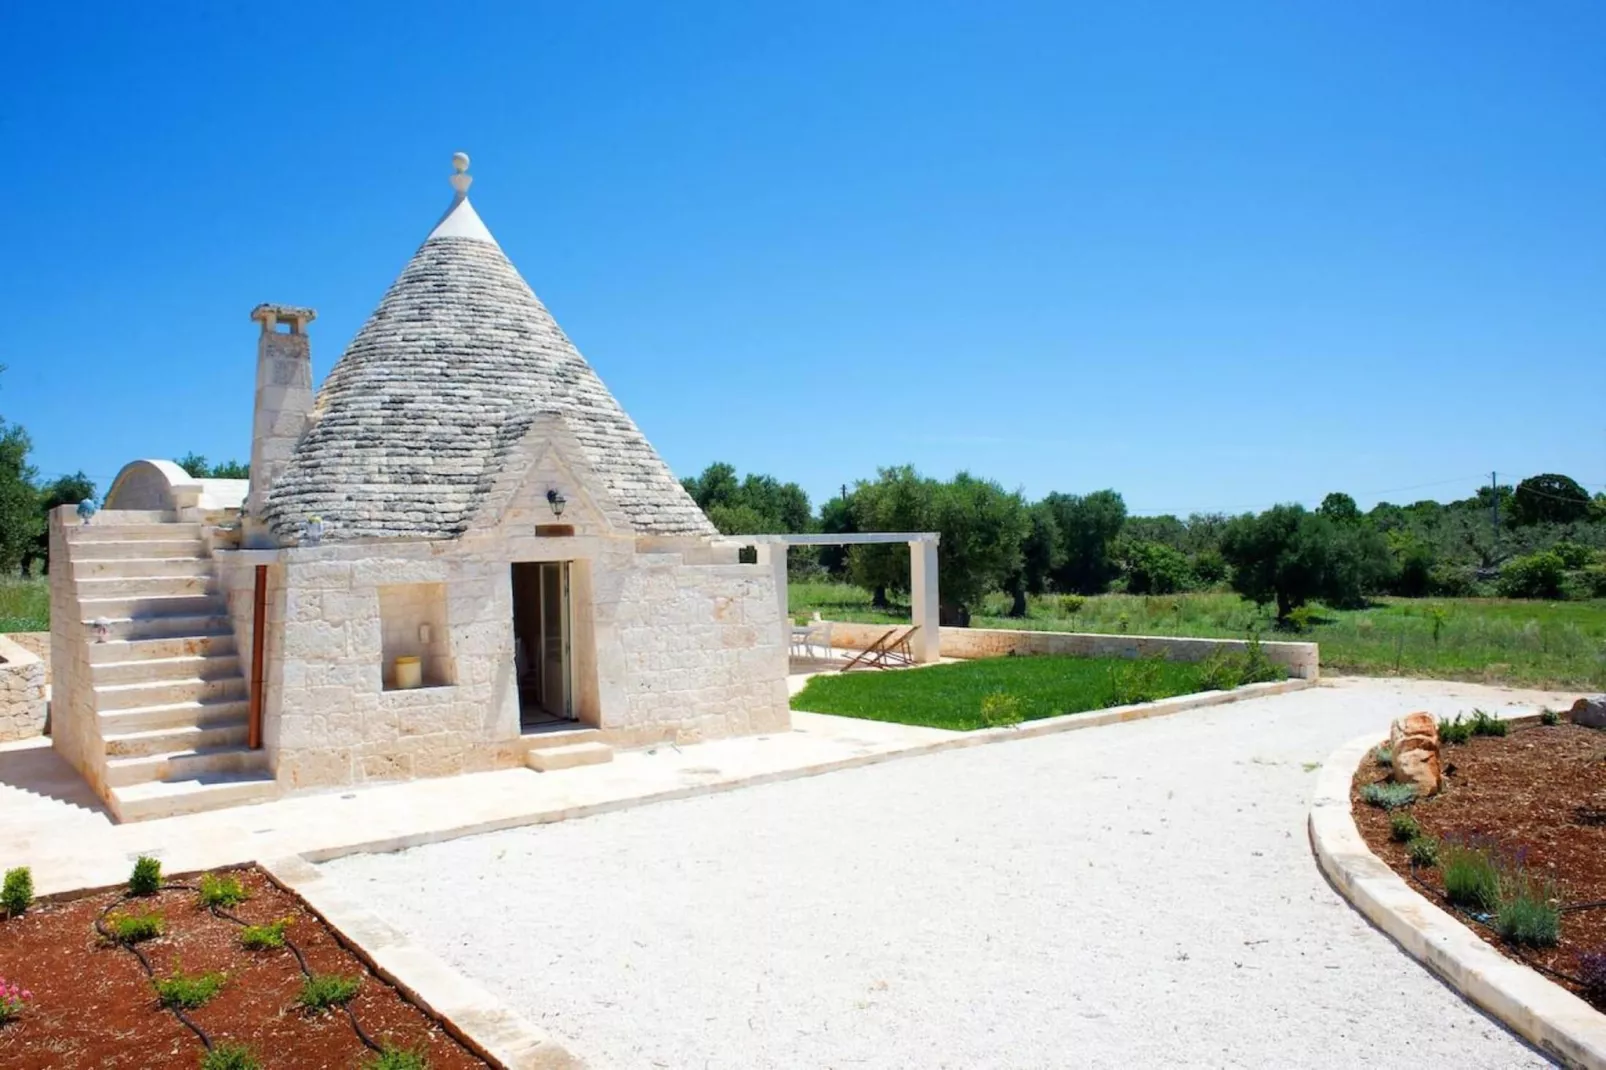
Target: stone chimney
283, 401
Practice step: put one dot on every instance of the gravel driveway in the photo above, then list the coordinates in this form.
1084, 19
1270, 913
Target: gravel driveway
1140, 895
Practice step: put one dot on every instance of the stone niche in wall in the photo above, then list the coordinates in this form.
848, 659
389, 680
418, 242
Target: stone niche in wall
412, 619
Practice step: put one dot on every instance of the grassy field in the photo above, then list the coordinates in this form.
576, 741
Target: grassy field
1537, 644
24, 605
952, 696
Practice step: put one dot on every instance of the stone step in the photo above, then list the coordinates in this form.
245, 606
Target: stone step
143, 802
174, 715
126, 550
184, 765
177, 739
178, 646
177, 626
84, 534
547, 738
168, 692
151, 670
97, 588
551, 759
156, 605
130, 567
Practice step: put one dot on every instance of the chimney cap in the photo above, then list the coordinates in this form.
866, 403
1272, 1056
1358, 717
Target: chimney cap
268, 314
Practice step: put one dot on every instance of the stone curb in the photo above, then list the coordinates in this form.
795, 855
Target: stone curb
1070, 722
467, 1011
1548, 1016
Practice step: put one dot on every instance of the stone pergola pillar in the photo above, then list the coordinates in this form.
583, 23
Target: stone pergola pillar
924, 599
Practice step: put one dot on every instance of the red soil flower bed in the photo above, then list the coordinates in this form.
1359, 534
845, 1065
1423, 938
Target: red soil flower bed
1538, 794
94, 1006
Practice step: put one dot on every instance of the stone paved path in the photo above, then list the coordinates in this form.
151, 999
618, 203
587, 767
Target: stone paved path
1141, 895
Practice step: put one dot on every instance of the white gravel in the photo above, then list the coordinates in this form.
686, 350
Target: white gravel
1141, 895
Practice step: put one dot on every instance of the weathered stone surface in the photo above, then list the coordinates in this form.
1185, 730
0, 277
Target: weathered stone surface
1420, 766
1590, 712
1414, 724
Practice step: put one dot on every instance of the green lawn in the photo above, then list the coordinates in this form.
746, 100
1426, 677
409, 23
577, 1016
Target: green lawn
950, 696
1495, 640
25, 605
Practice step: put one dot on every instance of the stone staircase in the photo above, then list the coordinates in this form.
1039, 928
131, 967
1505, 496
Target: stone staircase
170, 695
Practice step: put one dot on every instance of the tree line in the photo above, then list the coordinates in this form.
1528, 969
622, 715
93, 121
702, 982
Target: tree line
1545, 537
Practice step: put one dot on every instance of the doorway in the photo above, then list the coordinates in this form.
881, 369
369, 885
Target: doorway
542, 648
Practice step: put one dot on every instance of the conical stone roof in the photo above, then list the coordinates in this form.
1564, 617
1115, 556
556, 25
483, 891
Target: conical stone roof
418, 417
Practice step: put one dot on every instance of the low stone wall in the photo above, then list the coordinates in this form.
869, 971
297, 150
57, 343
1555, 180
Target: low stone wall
35, 643
1302, 660
22, 692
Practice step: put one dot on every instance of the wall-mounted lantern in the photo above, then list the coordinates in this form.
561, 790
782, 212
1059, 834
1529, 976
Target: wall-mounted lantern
557, 501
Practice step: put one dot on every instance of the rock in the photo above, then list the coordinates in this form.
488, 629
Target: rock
1416, 761
1590, 712
1414, 724
1414, 743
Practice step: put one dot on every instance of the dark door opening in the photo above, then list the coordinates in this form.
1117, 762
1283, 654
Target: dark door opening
541, 644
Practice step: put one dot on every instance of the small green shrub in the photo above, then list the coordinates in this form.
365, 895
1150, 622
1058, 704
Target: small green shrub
1487, 724
227, 1056
1384, 756
1389, 796
1301, 618
1538, 575
268, 937
1221, 672
1001, 708
147, 876
1471, 878
135, 928
1530, 911
16, 894
1456, 731
1403, 828
1548, 716
324, 990
188, 990
1424, 851
221, 891
1137, 681
398, 1059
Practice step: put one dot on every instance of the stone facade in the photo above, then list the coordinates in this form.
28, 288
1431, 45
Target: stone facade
672, 639
22, 692
1302, 660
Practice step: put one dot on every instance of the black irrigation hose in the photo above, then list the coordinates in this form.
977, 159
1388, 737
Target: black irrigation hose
1521, 954
178, 1012
306, 972
217, 912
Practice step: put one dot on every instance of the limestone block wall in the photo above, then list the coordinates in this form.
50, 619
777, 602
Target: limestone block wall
697, 650
328, 719
35, 643
22, 692
1302, 660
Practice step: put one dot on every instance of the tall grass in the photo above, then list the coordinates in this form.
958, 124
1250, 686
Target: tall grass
1541, 644
25, 605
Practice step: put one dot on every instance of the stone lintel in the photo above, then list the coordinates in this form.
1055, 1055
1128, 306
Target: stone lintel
269, 315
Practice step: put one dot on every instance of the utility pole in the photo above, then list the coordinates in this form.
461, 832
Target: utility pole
844, 492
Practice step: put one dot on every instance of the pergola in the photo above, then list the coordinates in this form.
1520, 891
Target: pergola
922, 574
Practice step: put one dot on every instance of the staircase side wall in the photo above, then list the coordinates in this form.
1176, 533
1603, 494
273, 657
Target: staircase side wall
74, 724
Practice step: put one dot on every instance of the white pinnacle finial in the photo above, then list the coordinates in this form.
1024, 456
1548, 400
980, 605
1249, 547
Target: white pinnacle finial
462, 179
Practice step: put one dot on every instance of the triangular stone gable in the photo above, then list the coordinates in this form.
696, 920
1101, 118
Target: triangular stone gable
548, 457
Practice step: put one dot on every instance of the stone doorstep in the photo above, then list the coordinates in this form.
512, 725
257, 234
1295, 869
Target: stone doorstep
170, 798
1548, 1016
465, 1009
568, 756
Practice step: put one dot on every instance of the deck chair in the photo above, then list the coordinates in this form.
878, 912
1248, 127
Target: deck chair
892, 648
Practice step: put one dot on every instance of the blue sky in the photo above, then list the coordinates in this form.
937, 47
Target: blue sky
1215, 256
